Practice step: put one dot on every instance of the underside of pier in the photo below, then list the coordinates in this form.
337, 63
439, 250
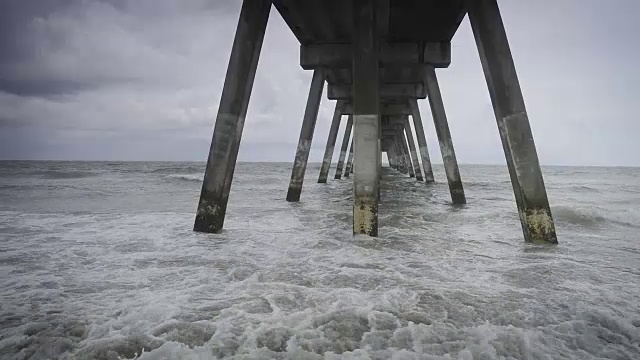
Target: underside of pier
377, 59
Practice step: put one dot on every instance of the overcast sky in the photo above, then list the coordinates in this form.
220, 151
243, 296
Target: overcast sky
141, 80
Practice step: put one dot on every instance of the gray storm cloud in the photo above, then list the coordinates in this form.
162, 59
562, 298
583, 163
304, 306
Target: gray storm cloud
88, 79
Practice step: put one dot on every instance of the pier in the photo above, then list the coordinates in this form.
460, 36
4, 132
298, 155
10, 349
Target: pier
377, 59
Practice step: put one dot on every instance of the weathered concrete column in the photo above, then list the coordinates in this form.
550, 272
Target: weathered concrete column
306, 136
412, 148
379, 155
402, 160
444, 137
348, 168
422, 140
398, 156
393, 162
513, 122
407, 155
390, 159
331, 142
366, 114
394, 156
391, 156
344, 148
234, 101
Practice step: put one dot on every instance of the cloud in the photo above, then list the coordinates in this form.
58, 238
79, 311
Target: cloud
142, 79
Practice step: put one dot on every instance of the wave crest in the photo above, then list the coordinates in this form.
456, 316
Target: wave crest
58, 174
185, 177
576, 216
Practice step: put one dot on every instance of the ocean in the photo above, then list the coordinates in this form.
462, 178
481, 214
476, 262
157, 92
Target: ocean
98, 261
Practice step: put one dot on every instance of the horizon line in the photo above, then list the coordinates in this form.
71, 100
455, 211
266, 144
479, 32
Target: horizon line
288, 162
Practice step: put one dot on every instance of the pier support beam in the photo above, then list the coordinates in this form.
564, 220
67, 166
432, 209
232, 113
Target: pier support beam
444, 137
407, 154
344, 148
234, 101
331, 142
422, 140
348, 169
412, 148
398, 157
366, 114
402, 158
513, 122
391, 156
306, 136
390, 159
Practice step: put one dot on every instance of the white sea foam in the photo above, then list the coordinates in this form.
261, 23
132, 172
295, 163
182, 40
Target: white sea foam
131, 280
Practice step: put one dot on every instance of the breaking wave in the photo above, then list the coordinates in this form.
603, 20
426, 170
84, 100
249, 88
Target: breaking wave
185, 177
178, 168
584, 189
576, 216
594, 217
60, 174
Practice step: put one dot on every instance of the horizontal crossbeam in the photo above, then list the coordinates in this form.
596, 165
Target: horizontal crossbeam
394, 119
385, 109
388, 91
436, 54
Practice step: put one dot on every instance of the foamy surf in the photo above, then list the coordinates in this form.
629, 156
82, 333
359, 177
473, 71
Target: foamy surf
118, 273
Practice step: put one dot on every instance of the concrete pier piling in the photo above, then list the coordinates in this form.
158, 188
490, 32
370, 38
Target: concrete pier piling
412, 148
402, 156
444, 137
366, 117
344, 148
391, 160
396, 154
349, 166
391, 156
422, 140
407, 153
378, 58
331, 142
402, 166
513, 121
394, 158
234, 102
306, 136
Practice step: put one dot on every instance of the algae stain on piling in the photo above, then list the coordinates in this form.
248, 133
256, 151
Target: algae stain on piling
540, 226
365, 220
209, 214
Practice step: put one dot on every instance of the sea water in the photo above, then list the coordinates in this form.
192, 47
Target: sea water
98, 261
